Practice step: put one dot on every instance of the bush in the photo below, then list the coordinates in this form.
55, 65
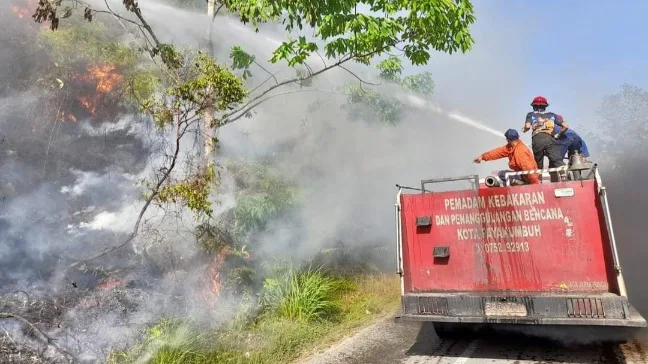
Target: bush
170, 341
303, 296
263, 194
93, 43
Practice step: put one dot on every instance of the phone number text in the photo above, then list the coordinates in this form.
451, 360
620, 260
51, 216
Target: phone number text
512, 247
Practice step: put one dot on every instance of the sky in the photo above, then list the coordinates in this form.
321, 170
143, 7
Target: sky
602, 41
573, 52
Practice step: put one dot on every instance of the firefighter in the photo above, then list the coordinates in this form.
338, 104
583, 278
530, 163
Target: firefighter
571, 143
520, 158
543, 140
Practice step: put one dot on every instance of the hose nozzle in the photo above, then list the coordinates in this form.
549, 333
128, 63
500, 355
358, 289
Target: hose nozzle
491, 181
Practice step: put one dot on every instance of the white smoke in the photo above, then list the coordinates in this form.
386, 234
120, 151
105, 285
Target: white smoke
347, 169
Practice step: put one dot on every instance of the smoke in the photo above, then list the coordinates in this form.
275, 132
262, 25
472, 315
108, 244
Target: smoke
70, 190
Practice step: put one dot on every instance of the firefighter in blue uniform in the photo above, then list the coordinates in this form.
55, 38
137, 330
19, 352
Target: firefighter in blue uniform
571, 143
544, 141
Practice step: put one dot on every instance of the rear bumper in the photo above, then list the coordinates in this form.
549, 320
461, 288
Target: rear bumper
525, 309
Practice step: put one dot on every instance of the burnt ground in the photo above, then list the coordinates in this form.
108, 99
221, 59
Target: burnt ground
14, 353
48, 328
388, 342
97, 312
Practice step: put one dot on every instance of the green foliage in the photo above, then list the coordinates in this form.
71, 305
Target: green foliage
264, 194
304, 296
170, 56
241, 60
212, 239
295, 51
269, 338
205, 86
254, 210
193, 191
362, 101
212, 85
422, 83
91, 43
390, 69
143, 84
418, 26
371, 103
169, 341
241, 276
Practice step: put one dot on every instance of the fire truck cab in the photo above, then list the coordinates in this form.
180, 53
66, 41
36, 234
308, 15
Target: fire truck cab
541, 254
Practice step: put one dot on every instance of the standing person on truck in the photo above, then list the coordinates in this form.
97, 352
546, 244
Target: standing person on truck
543, 140
571, 143
520, 159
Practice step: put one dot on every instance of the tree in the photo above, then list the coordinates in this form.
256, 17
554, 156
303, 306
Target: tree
196, 93
373, 104
622, 134
87, 67
627, 111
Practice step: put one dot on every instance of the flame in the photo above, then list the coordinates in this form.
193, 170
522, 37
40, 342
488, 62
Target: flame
105, 77
20, 12
212, 291
90, 103
64, 117
24, 8
111, 283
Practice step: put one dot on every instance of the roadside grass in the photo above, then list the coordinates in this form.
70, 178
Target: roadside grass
301, 311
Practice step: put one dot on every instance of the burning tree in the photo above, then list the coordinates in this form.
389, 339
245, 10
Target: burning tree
84, 69
96, 76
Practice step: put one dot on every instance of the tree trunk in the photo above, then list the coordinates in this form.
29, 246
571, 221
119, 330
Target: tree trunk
208, 113
209, 134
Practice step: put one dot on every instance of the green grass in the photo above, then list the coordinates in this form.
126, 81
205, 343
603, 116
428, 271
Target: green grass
301, 311
303, 296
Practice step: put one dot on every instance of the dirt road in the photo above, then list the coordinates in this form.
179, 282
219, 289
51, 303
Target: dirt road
412, 343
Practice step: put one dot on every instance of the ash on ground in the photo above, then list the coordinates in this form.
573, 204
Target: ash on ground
86, 325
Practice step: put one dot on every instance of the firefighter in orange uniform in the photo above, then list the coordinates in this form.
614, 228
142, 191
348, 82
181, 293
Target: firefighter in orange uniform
520, 158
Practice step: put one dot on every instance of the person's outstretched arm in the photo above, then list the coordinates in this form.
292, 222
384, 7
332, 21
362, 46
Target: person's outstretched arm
493, 154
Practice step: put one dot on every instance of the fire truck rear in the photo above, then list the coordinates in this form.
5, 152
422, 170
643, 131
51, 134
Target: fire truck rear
527, 255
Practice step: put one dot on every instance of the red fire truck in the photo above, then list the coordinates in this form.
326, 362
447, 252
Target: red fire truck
497, 254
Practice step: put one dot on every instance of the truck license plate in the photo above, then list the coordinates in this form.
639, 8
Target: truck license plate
505, 309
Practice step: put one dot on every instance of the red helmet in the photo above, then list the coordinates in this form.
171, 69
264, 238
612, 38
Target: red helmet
540, 101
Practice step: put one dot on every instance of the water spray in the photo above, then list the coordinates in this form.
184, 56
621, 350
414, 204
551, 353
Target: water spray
427, 105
